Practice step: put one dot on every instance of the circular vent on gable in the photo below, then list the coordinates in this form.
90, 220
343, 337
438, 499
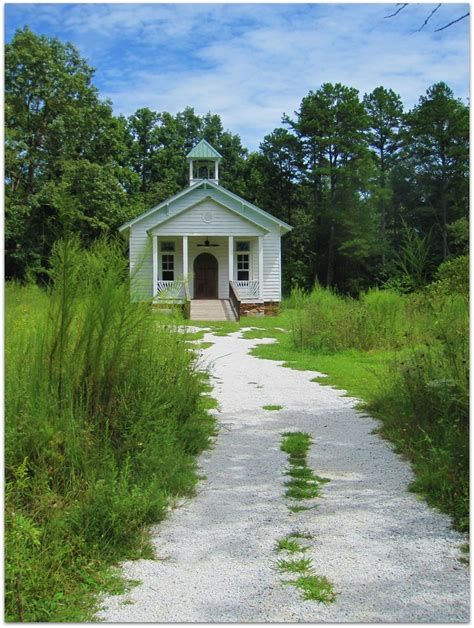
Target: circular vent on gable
207, 217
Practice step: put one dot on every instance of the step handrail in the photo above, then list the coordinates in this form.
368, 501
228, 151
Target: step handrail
234, 300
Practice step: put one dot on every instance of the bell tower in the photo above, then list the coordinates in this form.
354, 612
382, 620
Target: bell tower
203, 162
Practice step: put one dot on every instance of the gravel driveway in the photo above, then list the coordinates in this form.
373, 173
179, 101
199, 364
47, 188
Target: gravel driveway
389, 557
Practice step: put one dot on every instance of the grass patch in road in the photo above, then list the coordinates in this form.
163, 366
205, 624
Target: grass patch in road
294, 566
296, 443
301, 489
194, 335
314, 587
303, 482
251, 334
266, 326
272, 407
289, 544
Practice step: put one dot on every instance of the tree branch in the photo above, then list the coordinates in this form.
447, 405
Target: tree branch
403, 5
453, 22
429, 17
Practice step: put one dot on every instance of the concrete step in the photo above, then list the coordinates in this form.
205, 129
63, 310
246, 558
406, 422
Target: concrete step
211, 310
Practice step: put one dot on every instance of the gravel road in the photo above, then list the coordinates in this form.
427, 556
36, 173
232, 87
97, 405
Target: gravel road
389, 557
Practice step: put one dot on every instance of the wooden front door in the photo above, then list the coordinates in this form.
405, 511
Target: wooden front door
205, 277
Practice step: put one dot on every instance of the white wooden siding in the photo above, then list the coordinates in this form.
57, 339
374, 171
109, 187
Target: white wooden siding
208, 218
271, 267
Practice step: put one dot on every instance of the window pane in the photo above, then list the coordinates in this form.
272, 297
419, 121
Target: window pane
167, 266
242, 275
243, 246
167, 246
243, 262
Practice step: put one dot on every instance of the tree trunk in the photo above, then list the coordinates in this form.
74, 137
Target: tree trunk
330, 270
444, 209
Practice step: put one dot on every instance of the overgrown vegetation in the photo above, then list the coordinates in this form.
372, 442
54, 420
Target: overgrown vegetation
104, 414
407, 357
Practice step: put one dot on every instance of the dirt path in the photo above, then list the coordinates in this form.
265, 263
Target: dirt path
390, 558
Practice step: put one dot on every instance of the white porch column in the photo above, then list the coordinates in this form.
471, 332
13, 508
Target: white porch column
155, 263
231, 258
191, 172
260, 267
185, 258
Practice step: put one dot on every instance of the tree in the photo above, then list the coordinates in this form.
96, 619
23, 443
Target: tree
385, 111
331, 125
437, 146
53, 117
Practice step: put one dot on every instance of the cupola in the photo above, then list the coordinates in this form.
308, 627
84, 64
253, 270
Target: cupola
203, 163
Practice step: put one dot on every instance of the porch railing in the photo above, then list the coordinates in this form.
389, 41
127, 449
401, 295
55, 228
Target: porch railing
246, 290
170, 290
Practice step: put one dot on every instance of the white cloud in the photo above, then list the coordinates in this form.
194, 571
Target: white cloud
250, 63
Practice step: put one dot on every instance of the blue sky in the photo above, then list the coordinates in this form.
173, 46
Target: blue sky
250, 63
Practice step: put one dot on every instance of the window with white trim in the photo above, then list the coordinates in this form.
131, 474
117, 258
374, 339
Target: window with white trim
243, 260
167, 260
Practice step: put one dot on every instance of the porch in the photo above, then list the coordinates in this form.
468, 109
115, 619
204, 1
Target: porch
201, 267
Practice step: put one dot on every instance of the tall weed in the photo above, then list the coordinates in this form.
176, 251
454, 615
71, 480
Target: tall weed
104, 415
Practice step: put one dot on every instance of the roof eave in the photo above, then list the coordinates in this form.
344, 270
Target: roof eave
279, 222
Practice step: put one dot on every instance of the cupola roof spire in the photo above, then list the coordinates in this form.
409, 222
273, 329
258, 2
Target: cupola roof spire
203, 163
203, 150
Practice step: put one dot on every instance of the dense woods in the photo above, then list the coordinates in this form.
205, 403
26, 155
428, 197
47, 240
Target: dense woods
377, 195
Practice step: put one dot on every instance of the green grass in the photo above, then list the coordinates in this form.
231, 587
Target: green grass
354, 371
302, 489
303, 483
294, 566
266, 326
194, 335
289, 544
105, 412
313, 587
296, 443
272, 407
